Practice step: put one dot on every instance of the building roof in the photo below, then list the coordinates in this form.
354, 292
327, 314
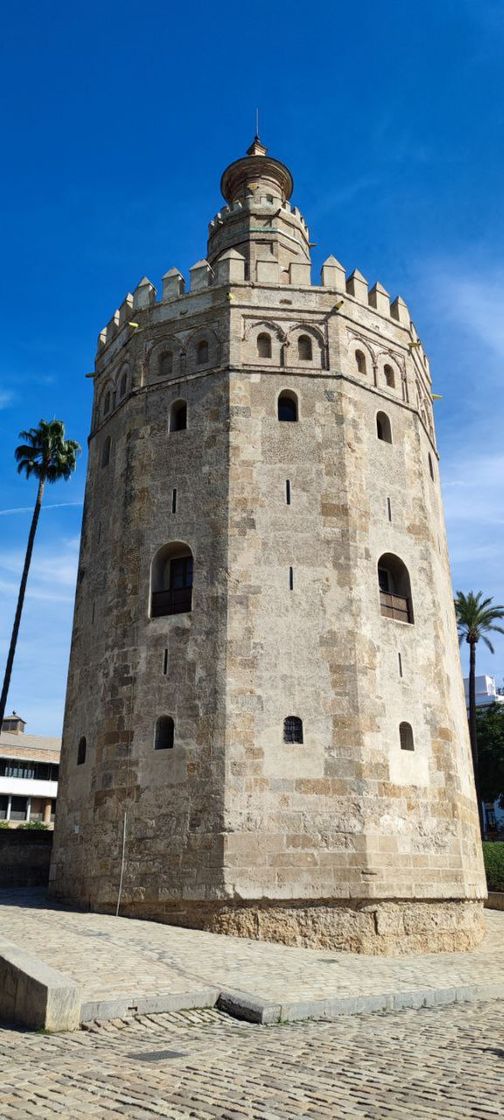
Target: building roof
41, 747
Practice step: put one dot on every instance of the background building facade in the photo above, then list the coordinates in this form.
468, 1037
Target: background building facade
29, 766
265, 728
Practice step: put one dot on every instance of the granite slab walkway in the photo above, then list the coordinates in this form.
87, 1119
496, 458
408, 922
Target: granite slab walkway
125, 966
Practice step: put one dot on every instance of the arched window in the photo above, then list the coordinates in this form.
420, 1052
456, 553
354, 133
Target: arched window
293, 730
123, 385
202, 353
360, 361
305, 349
164, 734
166, 364
172, 580
178, 416
105, 455
431, 467
383, 428
81, 751
406, 737
389, 376
395, 588
264, 345
287, 406
107, 403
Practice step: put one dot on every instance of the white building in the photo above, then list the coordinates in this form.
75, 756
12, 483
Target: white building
486, 692
29, 767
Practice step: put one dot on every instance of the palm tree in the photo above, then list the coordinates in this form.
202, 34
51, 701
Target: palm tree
476, 618
49, 456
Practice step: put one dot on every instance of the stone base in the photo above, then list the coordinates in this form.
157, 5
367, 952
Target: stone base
361, 926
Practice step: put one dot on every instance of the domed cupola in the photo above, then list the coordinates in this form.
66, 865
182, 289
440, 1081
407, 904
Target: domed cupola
258, 221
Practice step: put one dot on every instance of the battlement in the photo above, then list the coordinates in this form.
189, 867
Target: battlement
268, 202
230, 269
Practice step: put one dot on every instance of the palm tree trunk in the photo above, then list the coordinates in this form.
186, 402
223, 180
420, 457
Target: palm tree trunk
19, 608
473, 732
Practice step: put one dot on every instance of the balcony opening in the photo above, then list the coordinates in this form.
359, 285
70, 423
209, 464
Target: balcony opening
172, 580
395, 589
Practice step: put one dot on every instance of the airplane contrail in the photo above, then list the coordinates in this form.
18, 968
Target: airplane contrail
29, 509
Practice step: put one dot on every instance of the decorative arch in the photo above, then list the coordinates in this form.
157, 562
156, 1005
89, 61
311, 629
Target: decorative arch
251, 337
298, 339
361, 357
395, 588
107, 400
389, 372
203, 349
171, 580
165, 359
122, 382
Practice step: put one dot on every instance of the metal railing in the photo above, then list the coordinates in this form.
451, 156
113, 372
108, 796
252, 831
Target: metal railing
177, 600
396, 606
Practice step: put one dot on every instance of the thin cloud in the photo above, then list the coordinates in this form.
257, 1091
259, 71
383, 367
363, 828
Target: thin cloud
29, 509
6, 398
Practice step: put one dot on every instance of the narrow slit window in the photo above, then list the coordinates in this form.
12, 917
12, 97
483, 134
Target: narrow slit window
383, 428
389, 509
287, 408
360, 361
202, 353
165, 662
399, 662
81, 751
174, 501
288, 491
105, 455
93, 614
389, 377
291, 579
305, 349
264, 345
164, 734
406, 737
178, 416
431, 467
293, 730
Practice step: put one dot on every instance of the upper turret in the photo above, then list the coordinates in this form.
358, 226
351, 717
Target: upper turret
259, 221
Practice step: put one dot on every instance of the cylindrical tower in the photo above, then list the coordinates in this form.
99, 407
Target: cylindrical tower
265, 728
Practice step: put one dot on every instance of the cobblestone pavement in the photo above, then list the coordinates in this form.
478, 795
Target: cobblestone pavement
111, 957
443, 1062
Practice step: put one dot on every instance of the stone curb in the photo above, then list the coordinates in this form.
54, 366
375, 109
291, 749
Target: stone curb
244, 1006
34, 995
117, 1007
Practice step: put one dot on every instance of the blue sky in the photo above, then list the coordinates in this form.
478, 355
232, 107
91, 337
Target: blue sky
117, 122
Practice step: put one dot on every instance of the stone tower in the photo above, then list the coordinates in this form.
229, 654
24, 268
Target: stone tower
265, 728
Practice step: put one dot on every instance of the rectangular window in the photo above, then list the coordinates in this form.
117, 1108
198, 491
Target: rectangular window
174, 501
288, 491
291, 579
